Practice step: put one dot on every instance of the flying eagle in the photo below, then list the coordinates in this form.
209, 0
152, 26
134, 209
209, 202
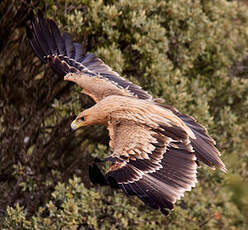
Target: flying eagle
156, 149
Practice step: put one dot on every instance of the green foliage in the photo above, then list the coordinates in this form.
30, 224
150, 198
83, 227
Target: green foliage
191, 53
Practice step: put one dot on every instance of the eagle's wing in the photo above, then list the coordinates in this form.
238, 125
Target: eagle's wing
66, 56
156, 163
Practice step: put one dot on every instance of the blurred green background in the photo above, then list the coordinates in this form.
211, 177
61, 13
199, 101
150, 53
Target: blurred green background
193, 54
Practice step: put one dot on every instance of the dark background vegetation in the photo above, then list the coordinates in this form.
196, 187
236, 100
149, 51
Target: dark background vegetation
191, 53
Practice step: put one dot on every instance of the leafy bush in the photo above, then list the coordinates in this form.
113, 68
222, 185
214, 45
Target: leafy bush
191, 53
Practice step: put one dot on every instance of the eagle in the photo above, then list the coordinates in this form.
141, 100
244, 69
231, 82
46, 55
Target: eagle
155, 148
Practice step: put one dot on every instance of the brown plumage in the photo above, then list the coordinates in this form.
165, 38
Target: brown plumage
155, 148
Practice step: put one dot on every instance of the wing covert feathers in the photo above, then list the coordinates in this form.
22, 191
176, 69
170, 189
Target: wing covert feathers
152, 164
157, 160
66, 56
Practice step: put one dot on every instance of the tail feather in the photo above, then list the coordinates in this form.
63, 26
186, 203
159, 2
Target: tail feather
203, 145
207, 153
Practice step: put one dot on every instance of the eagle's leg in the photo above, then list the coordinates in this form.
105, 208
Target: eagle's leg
97, 177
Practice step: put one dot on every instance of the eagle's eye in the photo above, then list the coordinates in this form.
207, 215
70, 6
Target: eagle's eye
80, 119
77, 123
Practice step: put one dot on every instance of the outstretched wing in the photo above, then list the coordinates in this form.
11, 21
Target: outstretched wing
66, 56
157, 164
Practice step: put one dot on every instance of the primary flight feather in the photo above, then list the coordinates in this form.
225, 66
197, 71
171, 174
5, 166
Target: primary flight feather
155, 148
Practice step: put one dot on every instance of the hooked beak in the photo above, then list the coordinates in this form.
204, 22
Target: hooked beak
77, 123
